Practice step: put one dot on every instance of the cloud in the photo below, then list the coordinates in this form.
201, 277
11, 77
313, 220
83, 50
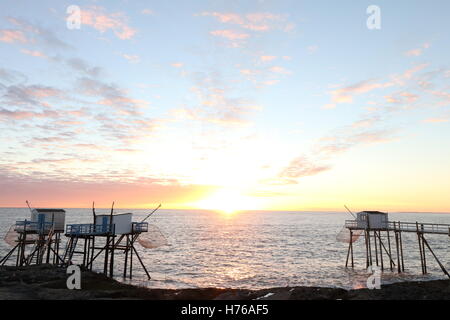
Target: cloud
38, 34
267, 58
436, 120
33, 53
11, 76
345, 94
72, 192
230, 34
12, 36
83, 67
177, 64
312, 49
147, 12
32, 95
281, 70
258, 21
402, 97
417, 51
132, 58
18, 115
301, 167
97, 18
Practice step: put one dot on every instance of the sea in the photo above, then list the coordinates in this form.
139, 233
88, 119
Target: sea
255, 250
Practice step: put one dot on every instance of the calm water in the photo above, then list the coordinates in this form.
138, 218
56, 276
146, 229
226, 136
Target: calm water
256, 249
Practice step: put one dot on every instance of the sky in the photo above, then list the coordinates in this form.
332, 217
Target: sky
226, 105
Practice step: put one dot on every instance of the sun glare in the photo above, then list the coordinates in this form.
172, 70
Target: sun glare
227, 202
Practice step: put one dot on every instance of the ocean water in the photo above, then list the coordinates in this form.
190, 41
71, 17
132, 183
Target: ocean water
256, 249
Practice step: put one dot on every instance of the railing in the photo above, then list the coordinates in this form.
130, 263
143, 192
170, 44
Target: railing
437, 228
140, 227
32, 226
88, 229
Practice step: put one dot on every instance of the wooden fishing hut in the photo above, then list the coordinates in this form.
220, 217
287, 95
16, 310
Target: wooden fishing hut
38, 239
105, 236
377, 231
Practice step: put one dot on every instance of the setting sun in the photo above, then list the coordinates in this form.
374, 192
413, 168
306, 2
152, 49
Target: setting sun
227, 202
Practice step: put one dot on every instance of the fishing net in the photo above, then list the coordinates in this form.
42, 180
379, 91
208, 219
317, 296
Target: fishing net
11, 236
153, 239
344, 236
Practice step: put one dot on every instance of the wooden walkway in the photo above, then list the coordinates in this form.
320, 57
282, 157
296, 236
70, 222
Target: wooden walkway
426, 228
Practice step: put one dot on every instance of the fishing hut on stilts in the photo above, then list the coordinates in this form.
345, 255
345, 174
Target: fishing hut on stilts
108, 235
381, 235
37, 240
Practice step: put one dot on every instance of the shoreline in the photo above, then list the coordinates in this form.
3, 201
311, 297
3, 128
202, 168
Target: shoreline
47, 282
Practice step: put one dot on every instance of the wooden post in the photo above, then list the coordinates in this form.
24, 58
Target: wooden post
375, 245
423, 249
351, 247
381, 250
126, 257
142, 264
397, 246
390, 251
401, 250
420, 247
440, 264
367, 249
370, 248
92, 254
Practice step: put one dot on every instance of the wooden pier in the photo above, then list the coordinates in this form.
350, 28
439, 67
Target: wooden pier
378, 242
38, 239
105, 236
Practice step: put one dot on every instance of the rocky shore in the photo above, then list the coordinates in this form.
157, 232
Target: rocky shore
49, 283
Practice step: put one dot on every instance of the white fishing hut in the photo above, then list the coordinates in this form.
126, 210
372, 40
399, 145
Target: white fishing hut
372, 220
122, 222
45, 218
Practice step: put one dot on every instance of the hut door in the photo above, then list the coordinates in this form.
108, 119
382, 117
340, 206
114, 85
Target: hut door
41, 221
105, 223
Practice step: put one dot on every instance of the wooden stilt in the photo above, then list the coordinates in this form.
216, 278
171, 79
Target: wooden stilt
370, 248
142, 264
126, 257
367, 249
435, 257
381, 250
351, 247
419, 239
390, 250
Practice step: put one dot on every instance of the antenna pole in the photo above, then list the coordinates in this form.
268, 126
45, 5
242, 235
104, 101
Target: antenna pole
93, 210
148, 216
350, 211
28, 204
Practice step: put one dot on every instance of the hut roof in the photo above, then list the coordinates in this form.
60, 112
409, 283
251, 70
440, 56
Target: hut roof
374, 212
49, 210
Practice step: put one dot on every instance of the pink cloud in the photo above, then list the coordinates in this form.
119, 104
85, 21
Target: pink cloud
267, 58
345, 95
418, 51
33, 53
259, 21
230, 34
281, 70
133, 58
10, 36
436, 120
96, 18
